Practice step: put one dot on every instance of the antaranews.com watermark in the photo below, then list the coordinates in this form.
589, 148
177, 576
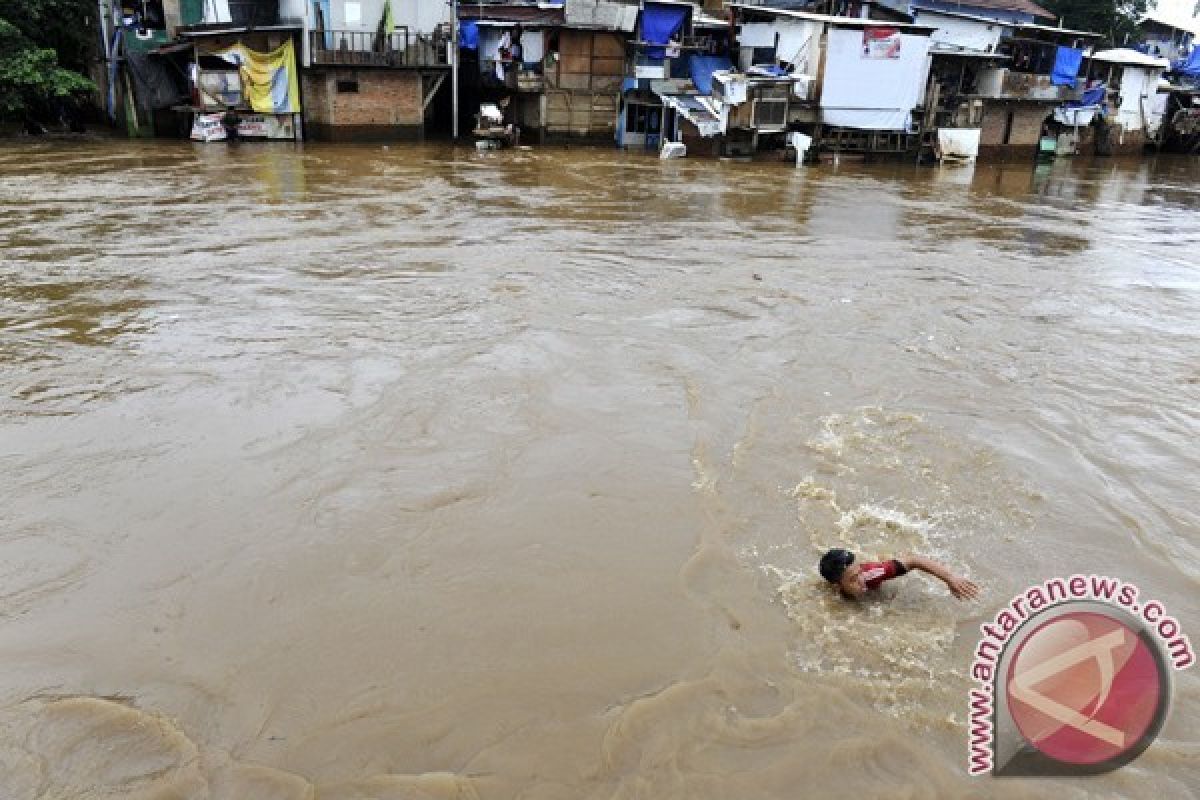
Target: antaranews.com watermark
1073, 679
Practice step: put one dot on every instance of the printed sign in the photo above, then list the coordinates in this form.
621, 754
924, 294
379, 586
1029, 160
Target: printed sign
208, 128
252, 125
1074, 679
881, 43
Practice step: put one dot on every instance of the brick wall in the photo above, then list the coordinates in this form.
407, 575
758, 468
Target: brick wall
1127, 143
355, 104
1027, 119
1026, 125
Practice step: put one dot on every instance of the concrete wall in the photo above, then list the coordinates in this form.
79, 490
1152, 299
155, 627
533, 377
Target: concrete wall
387, 105
419, 16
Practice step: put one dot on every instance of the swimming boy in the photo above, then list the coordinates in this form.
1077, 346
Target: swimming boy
838, 567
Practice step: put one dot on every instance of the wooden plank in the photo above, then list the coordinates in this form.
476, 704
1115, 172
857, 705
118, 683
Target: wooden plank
432, 90
575, 43
578, 82
574, 65
608, 66
608, 45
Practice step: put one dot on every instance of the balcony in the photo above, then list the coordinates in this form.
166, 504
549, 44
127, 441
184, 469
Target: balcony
399, 49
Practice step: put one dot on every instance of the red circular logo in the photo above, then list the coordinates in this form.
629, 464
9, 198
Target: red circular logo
1084, 688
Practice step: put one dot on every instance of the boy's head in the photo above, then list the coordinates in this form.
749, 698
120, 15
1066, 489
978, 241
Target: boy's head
837, 566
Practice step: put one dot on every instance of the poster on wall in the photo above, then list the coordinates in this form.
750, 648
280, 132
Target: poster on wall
208, 128
266, 126
881, 43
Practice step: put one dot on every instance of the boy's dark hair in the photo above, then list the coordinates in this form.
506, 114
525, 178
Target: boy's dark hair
834, 563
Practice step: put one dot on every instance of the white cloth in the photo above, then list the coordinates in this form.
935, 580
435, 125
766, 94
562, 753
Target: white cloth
504, 44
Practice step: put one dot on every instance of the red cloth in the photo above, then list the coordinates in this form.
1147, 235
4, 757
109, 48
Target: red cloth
874, 573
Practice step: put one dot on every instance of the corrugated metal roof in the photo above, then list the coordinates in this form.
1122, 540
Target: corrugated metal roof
1123, 55
1029, 26
843, 22
1023, 6
943, 49
512, 13
1190, 25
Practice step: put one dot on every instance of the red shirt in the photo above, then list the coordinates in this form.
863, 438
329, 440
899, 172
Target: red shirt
876, 572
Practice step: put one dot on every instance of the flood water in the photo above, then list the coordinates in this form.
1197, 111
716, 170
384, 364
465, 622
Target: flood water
410, 472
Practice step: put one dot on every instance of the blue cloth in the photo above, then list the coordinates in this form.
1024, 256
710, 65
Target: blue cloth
701, 69
468, 35
1067, 61
1189, 66
659, 24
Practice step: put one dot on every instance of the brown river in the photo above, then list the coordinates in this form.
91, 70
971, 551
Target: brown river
410, 472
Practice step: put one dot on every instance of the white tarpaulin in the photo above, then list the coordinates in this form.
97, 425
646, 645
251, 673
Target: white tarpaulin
797, 45
1140, 107
872, 93
757, 34
1075, 116
958, 143
795, 41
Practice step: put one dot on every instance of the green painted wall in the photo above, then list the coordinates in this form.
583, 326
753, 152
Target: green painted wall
191, 12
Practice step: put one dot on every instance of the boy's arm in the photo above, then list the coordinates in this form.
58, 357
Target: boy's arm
961, 588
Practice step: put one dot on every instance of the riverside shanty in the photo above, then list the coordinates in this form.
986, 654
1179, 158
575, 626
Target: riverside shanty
928, 80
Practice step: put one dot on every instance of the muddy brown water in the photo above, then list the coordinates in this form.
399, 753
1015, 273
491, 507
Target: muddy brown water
364, 472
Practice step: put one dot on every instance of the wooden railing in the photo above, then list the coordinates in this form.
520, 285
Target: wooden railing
368, 49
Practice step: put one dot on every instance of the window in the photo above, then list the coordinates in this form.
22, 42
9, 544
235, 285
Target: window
762, 55
347, 87
1032, 56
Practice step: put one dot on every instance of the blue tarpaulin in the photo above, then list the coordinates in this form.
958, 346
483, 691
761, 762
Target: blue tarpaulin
1067, 61
1091, 97
1094, 96
468, 35
1189, 66
659, 24
701, 69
